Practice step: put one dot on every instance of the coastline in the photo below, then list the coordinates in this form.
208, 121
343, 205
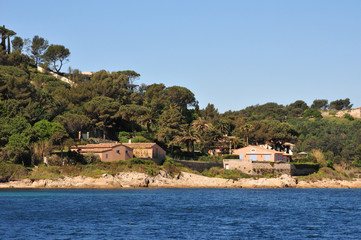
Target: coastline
182, 180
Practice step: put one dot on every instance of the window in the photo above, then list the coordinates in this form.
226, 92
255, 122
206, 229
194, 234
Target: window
240, 156
280, 157
267, 157
117, 151
106, 155
253, 157
226, 166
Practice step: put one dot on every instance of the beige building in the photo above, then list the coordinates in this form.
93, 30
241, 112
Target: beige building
147, 151
108, 152
256, 160
260, 154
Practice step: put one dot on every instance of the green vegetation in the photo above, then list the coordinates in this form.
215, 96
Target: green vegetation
325, 173
41, 115
223, 173
97, 169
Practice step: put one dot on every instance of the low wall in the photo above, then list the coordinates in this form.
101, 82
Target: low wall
305, 169
263, 168
198, 166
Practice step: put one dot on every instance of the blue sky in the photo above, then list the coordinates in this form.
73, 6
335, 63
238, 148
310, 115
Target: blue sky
230, 53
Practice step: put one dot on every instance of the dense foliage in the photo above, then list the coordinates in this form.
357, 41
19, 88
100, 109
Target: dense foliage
40, 114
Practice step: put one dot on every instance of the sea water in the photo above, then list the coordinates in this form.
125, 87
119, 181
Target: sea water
180, 214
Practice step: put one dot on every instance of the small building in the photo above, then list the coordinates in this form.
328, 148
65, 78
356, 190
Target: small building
108, 152
260, 154
148, 151
256, 160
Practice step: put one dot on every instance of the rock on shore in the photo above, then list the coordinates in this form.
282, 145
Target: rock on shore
182, 180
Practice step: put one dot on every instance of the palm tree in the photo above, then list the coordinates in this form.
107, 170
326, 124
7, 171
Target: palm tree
186, 138
247, 128
199, 127
223, 126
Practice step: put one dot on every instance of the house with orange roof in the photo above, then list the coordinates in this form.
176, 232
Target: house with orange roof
256, 160
147, 151
108, 152
260, 154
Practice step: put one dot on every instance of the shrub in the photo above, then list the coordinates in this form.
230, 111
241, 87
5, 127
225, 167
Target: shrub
348, 116
320, 158
139, 139
230, 156
152, 171
308, 113
172, 167
124, 137
140, 161
55, 160
91, 158
12, 171
223, 173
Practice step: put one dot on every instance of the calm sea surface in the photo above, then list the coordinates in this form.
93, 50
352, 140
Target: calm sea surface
181, 214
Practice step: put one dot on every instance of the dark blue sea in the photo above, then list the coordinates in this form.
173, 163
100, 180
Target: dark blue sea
181, 214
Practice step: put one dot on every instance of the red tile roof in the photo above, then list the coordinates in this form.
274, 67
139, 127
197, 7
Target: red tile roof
140, 145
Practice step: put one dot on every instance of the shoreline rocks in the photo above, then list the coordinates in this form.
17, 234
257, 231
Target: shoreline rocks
182, 180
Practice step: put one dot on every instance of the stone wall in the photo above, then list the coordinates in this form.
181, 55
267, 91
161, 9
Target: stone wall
303, 170
198, 166
264, 168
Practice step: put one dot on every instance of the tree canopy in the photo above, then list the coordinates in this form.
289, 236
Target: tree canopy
56, 55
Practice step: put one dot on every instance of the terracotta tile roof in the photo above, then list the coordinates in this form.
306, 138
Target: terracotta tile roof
140, 145
263, 150
99, 145
97, 148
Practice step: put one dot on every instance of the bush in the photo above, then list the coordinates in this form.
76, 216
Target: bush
307, 165
124, 137
55, 160
308, 113
320, 158
140, 139
140, 161
223, 173
12, 171
152, 171
172, 167
348, 116
91, 158
230, 156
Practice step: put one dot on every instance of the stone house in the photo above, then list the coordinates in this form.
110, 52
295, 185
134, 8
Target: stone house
260, 154
108, 152
256, 160
148, 151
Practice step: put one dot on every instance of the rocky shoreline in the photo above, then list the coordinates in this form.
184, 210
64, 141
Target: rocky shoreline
182, 180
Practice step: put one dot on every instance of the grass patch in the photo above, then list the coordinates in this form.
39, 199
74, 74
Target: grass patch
324, 173
223, 173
